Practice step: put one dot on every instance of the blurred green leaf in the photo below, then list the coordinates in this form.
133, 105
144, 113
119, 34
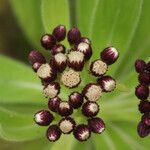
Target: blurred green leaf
18, 83
28, 15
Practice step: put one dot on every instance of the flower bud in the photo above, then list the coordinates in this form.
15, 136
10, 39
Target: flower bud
109, 55
85, 40
142, 129
53, 133
59, 61
107, 83
96, 125
43, 118
90, 109
53, 104
144, 106
148, 67
48, 41
74, 36
51, 90
65, 109
85, 48
67, 125
144, 78
92, 92
146, 119
59, 33
46, 72
82, 132
75, 100
71, 78
58, 48
36, 66
98, 68
142, 92
140, 66
76, 60
35, 57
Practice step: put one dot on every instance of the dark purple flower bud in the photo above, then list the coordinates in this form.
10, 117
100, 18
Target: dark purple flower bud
67, 125
51, 90
48, 41
59, 33
76, 60
92, 92
148, 67
82, 132
140, 65
35, 57
90, 109
144, 78
59, 61
36, 66
46, 72
146, 119
109, 55
43, 117
65, 109
143, 130
107, 83
71, 78
98, 68
53, 104
85, 48
74, 36
86, 40
144, 106
142, 92
53, 133
75, 100
58, 48
96, 125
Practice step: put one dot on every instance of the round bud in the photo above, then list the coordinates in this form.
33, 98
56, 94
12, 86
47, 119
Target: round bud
148, 67
90, 109
98, 68
109, 55
70, 78
144, 106
53, 133
67, 125
85, 48
53, 103
82, 132
43, 117
144, 78
142, 92
58, 48
35, 56
51, 90
92, 92
96, 125
65, 109
76, 60
146, 119
46, 72
142, 130
59, 33
107, 83
59, 61
36, 66
85, 40
140, 66
48, 41
75, 100
74, 36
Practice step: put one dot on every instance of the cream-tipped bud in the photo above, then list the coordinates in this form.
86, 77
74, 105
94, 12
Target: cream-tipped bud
58, 48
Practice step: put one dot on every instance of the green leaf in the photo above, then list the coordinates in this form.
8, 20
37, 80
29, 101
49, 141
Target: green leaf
28, 15
18, 83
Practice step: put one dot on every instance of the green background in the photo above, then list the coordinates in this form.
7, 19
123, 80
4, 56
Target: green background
123, 24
